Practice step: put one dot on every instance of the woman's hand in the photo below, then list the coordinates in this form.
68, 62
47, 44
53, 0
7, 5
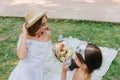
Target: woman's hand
22, 50
25, 29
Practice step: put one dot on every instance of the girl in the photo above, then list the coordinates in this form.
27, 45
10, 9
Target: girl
88, 57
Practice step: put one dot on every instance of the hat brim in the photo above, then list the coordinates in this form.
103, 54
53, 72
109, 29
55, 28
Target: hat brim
35, 18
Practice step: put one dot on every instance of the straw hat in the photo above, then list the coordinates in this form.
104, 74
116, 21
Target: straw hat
33, 16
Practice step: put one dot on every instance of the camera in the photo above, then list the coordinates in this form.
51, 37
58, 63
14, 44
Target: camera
70, 63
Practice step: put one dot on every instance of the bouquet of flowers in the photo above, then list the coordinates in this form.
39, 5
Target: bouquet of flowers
61, 51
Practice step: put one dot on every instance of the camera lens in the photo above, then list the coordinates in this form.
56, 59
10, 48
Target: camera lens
71, 64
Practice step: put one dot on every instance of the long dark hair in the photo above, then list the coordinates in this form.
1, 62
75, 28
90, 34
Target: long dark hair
35, 27
93, 57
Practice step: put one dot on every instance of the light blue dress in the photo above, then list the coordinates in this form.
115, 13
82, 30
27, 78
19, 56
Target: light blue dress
32, 66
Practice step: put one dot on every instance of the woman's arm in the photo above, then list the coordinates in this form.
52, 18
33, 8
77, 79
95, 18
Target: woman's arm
22, 49
50, 36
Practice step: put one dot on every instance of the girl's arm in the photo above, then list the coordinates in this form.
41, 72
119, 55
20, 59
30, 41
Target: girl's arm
22, 49
64, 70
64, 75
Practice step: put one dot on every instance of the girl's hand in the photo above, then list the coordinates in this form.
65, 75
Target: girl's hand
24, 29
64, 66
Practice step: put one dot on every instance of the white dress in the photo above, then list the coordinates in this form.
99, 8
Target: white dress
32, 66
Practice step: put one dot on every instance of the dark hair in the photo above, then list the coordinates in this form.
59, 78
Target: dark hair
93, 57
35, 27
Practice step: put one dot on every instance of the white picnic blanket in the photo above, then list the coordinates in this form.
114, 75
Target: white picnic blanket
53, 66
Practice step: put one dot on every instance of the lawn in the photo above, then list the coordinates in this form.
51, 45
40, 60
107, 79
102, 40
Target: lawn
100, 33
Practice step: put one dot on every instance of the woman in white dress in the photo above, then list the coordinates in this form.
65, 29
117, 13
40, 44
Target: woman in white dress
33, 47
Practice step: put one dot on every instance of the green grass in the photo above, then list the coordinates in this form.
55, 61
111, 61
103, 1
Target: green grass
100, 33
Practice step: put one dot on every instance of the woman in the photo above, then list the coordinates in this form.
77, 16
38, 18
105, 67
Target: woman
33, 47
